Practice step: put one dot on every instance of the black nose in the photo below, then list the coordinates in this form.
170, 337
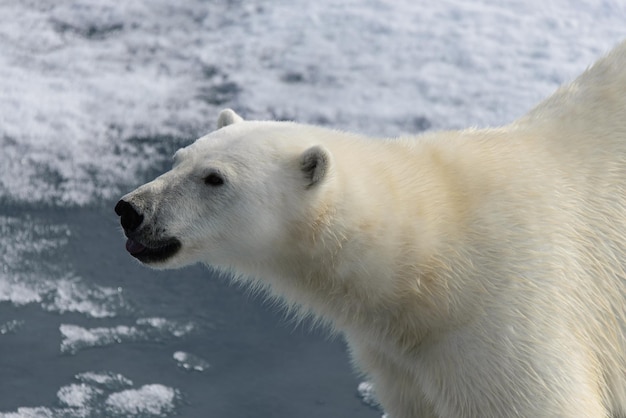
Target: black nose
129, 217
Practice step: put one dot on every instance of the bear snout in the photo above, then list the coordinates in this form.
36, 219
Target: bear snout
129, 217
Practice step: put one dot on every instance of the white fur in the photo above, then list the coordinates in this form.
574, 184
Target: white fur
478, 273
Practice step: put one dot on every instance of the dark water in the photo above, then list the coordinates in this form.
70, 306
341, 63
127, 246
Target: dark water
260, 365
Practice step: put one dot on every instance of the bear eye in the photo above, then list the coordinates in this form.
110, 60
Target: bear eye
214, 180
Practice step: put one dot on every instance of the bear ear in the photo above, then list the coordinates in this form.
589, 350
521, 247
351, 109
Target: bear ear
227, 117
315, 165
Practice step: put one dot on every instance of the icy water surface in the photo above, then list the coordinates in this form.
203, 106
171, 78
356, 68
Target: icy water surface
96, 95
86, 332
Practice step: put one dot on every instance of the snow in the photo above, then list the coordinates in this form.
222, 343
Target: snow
94, 93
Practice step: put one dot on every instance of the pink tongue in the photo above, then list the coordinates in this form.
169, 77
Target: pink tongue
134, 247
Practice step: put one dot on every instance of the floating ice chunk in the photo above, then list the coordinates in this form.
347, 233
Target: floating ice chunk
19, 293
50, 284
76, 338
43, 412
38, 412
77, 395
155, 400
105, 394
166, 326
71, 294
367, 394
22, 237
10, 327
191, 362
106, 380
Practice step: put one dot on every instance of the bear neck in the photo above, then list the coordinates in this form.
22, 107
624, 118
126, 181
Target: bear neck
381, 249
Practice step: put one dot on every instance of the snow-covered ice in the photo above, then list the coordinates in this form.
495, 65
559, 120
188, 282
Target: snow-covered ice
95, 92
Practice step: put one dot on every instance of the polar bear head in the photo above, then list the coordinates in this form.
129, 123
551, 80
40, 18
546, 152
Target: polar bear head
231, 199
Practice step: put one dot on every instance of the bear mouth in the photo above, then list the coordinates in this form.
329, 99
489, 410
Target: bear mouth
153, 253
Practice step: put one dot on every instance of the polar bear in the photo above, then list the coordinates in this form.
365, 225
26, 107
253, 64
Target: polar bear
478, 273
